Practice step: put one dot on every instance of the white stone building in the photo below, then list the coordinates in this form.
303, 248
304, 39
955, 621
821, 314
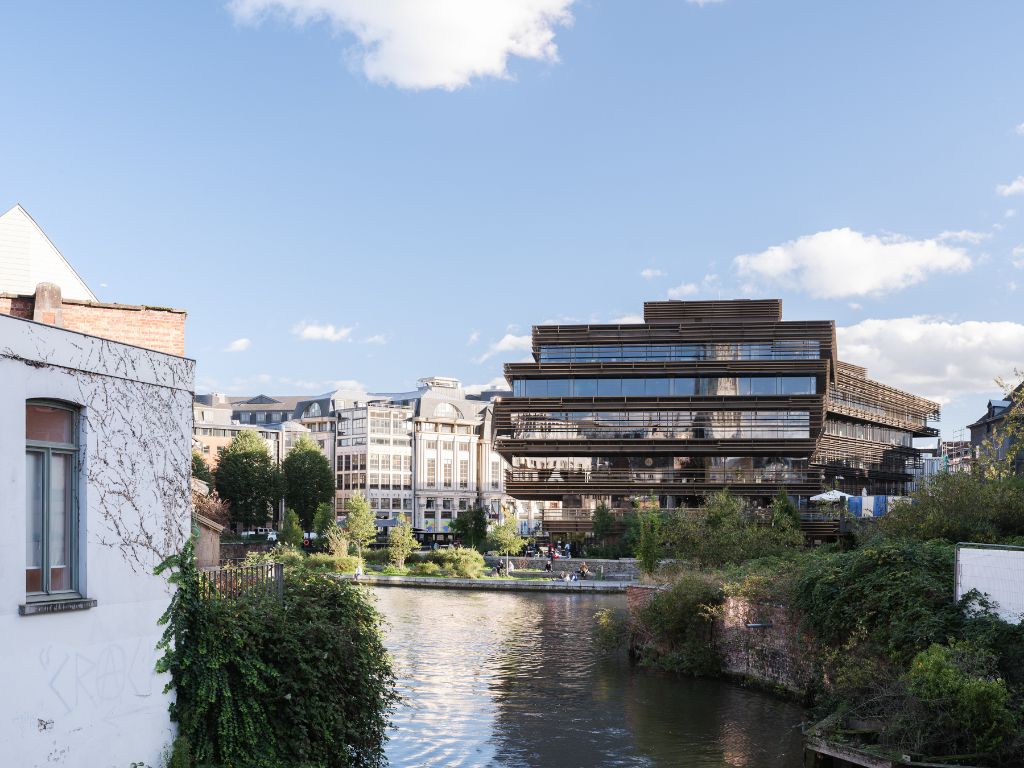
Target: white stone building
94, 492
374, 457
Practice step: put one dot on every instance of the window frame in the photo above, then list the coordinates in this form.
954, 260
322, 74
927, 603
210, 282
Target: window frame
48, 450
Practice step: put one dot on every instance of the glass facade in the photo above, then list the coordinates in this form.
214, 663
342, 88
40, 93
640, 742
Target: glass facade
661, 425
796, 349
687, 386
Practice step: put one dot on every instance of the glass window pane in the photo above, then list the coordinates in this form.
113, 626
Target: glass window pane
763, 385
558, 388
48, 424
609, 387
536, 387
34, 522
60, 522
633, 387
684, 387
659, 387
585, 388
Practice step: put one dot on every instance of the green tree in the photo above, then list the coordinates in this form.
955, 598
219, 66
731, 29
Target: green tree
324, 521
649, 547
360, 525
784, 511
248, 480
291, 531
401, 544
471, 527
309, 481
505, 541
200, 469
603, 522
1000, 454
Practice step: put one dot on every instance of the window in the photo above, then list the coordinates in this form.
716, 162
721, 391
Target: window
51, 472
446, 445
431, 473
463, 473
431, 445
447, 478
495, 474
463, 505
312, 411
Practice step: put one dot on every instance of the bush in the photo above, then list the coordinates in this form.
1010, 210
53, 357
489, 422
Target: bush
461, 562
324, 561
291, 531
611, 629
424, 569
375, 556
265, 683
678, 623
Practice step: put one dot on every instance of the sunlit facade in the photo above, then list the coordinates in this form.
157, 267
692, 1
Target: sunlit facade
698, 397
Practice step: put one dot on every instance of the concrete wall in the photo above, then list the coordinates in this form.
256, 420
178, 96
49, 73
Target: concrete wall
79, 688
624, 570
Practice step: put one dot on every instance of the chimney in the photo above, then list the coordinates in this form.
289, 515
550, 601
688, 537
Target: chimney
48, 305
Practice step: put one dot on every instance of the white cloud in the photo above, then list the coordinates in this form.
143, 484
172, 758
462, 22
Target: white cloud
684, 289
1018, 257
1010, 213
238, 345
347, 384
1020, 129
627, 319
650, 274
702, 3
378, 338
842, 262
318, 332
854, 305
1015, 187
964, 236
507, 343
933, 357
498, 382
474, 337
418, 44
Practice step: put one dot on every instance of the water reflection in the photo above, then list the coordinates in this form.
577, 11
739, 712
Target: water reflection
510, 680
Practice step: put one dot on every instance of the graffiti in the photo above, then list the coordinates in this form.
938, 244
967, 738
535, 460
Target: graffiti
100, 677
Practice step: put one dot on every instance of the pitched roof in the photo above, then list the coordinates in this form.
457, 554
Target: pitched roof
28, 257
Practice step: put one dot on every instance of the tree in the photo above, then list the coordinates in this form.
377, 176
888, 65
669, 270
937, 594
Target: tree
360, 525
324, 521
1000, 454
309, 481
784, 511
648, 548
200, 469
401, 544
291, 531
603, 522
471, 527
248, 480
505, 540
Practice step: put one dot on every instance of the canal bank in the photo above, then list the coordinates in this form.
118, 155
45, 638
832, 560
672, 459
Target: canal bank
492, 585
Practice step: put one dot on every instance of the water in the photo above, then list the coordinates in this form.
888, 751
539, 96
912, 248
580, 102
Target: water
512, 680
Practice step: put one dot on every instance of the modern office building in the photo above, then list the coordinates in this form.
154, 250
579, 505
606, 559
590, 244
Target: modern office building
702, 395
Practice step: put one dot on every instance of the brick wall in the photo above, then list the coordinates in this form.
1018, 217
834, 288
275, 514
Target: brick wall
149, 327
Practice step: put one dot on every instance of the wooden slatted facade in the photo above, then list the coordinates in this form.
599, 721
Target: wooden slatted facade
756, 404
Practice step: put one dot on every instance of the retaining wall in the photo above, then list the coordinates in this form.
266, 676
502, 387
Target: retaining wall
619, 570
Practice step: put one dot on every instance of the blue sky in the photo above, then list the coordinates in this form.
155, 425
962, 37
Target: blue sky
380, 190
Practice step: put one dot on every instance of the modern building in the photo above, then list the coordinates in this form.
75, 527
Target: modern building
990, 434
374, 457
702, 395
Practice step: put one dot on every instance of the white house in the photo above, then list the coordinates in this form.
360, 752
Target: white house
95, 444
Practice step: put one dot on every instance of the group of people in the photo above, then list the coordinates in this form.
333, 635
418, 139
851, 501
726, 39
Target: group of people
583, 572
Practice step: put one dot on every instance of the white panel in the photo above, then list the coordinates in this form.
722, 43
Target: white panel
998, 573
27, 258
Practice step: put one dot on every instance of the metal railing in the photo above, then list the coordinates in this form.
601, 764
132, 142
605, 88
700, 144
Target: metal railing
237, 580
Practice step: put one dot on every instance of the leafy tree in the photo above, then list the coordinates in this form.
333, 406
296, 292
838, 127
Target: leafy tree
1000, 455
248, 480
603, 522
401, 544
360, 525
309, 481
649, 548
471, 527
324, 521
200, 469
291, 531
505, 541
784, 511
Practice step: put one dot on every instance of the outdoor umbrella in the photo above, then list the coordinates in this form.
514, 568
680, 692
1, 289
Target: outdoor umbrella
830, 496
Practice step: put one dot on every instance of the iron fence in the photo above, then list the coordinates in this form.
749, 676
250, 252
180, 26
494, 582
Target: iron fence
237, 580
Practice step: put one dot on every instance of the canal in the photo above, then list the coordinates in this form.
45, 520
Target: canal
512, 680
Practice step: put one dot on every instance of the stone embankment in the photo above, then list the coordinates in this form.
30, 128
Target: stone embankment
615, 570
495, 585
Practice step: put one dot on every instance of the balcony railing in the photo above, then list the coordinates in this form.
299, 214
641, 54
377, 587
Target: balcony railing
233, 581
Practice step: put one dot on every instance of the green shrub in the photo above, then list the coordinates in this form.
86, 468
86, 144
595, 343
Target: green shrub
461, 562
324, 561
375, 556
678, 623
611, 629
291, 531
424, 569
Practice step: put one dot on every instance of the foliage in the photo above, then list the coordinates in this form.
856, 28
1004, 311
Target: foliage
899, 592
324, 521
291, 530
335, 540
649, 546
960, 506
360, 524
471, 527
308, 480
724, 531
461, 562
401, 544
610, 629
962, 705
679, 622
211, 507
375, 556
505, 540
603, 522
424, 569
325, 561
261, 683
999, 455
200, 469
248, 480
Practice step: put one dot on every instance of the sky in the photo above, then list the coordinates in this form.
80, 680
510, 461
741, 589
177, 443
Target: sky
376, 191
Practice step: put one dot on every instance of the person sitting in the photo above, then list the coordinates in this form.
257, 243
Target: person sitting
565, 576
584, 570
547, 566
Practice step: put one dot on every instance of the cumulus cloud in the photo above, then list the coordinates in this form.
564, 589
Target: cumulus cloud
650, 274
932, 356
498, 382
964, 236
318, 332
1015, 187
684, 289
1020, 129
418, 45
507, 343
377, 338
1018, 257
238, 345
843, 262
627, 319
